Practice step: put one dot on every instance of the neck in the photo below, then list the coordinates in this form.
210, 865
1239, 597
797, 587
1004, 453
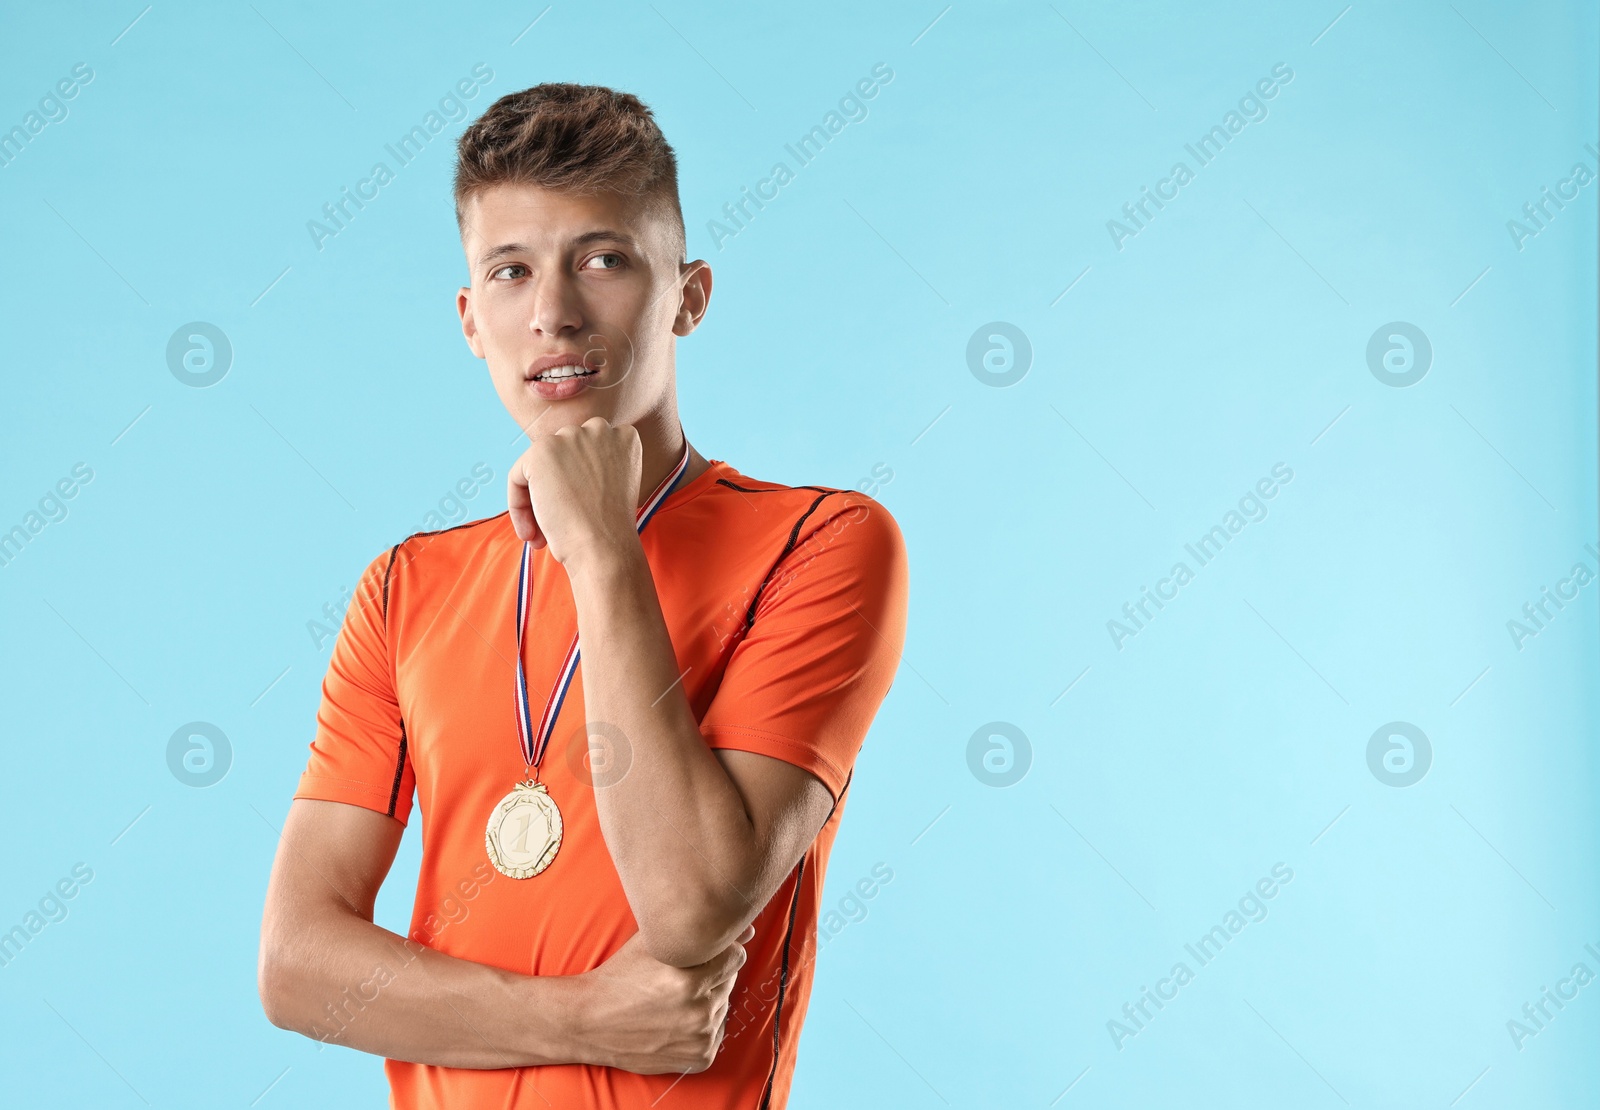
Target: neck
662, 440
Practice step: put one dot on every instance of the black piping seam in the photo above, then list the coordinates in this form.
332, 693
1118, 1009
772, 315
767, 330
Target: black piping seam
780, 489
399, 770
393, 551
455, 527
837, 802
794, 536
400, 758
783, 983
400, 761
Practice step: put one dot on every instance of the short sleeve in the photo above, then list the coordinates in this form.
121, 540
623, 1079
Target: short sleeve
358, 755
807, 679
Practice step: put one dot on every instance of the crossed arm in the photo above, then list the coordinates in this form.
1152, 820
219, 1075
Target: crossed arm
701, 841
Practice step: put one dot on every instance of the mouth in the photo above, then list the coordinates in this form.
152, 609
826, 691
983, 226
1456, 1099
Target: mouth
563, 373
562, 377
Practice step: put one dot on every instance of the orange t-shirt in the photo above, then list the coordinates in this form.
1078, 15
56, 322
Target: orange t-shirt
786, 608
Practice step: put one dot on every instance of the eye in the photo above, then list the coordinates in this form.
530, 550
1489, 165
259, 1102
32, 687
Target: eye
613, 255
503, 274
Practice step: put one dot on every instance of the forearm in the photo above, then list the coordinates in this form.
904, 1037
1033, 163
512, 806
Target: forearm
673, 820
343, 980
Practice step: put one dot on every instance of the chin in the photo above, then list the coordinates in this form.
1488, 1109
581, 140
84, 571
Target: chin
544, 417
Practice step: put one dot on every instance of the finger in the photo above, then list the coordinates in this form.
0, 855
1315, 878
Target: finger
519, 502
748, 935
728, 964
719, 971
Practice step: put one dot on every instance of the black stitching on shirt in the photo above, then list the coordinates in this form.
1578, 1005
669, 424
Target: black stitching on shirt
400, 761
783, 983
794, 536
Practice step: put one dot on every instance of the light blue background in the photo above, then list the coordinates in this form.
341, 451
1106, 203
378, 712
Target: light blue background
1229, 335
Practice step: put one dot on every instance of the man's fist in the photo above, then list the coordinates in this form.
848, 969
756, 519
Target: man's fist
577, 488
645, 1016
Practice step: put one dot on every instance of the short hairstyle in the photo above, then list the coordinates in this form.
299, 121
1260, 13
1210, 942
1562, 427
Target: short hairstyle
580, 139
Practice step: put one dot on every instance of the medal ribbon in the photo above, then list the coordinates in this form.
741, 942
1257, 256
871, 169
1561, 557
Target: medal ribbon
534, 741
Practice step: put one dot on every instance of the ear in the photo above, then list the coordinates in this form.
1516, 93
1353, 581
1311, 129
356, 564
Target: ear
695, 282
469, 325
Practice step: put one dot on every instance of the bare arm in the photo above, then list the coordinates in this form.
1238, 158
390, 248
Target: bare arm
328, 972
701, 838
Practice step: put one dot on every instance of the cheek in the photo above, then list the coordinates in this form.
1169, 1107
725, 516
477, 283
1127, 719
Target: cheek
646, 338
502, 334
497, 319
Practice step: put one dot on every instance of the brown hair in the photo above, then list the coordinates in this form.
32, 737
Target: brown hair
581, 139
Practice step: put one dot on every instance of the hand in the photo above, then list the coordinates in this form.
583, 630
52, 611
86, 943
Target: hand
648, 1017
577, 487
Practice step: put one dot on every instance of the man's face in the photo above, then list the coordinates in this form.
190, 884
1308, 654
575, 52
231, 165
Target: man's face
580, 280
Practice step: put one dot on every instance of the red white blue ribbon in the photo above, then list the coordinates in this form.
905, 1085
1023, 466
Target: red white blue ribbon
534, 742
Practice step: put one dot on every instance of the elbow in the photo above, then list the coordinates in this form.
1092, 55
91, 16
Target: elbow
679, 947
689, 932
274, 983
269, 987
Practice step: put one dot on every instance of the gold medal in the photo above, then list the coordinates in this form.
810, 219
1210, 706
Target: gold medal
524, 832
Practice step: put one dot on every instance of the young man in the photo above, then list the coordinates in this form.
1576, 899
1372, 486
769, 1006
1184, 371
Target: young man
624, 845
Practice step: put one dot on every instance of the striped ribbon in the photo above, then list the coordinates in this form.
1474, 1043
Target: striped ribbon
534, 742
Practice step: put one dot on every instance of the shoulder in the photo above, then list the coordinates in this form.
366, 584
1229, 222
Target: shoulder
828, 556
806, 520
856, 521
455, 542
443, 554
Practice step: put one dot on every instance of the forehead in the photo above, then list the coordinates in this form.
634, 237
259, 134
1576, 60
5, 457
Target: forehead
545, 219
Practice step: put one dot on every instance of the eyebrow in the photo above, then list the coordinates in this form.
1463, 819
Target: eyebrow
601, 235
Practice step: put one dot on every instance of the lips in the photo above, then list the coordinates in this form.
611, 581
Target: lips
555, 368
557, 377
562, 374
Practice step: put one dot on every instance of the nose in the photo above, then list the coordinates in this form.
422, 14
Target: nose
556, 307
